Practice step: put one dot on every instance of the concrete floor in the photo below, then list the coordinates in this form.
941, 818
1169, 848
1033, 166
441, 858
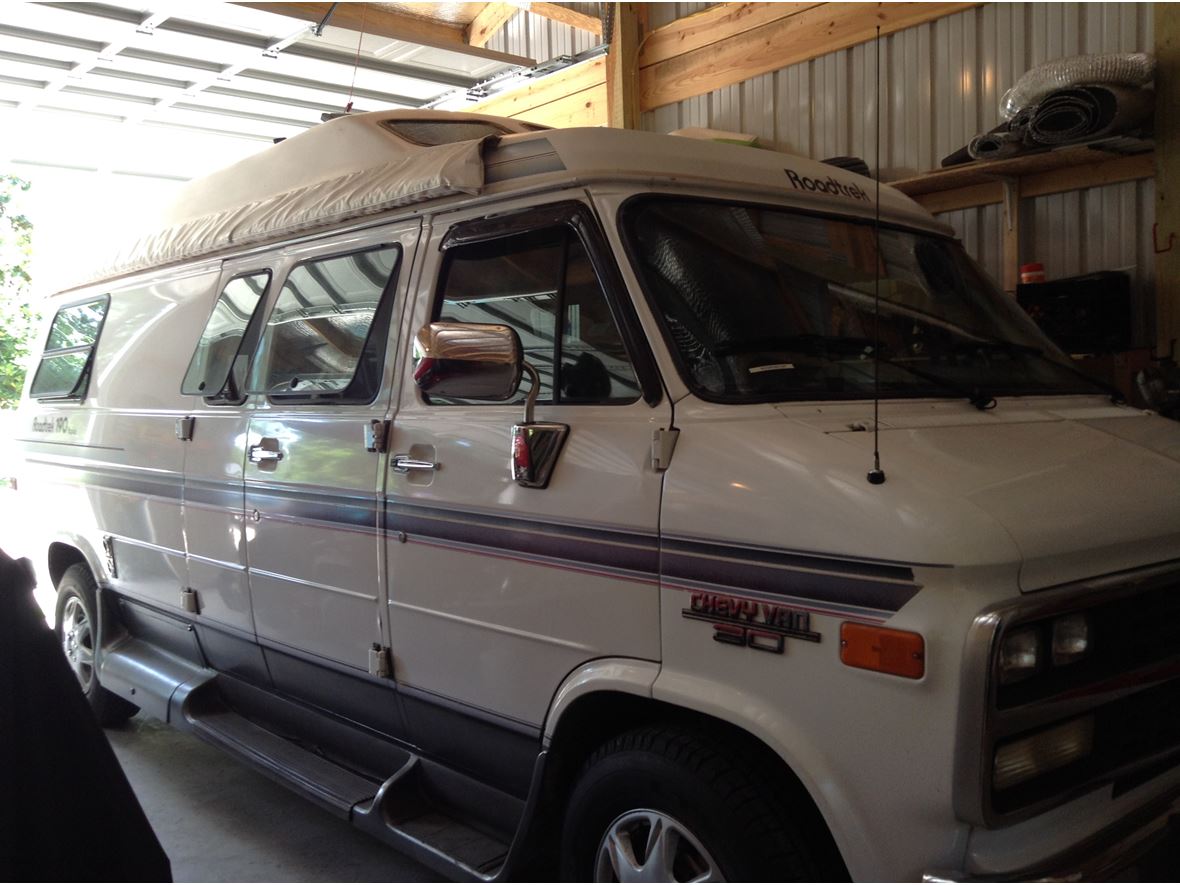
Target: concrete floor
220, 821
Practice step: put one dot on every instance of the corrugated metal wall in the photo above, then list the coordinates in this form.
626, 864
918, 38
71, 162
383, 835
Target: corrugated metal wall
542, 39
941, 83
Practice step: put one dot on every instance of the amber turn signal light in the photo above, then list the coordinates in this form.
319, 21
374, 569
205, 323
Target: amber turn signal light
886, 651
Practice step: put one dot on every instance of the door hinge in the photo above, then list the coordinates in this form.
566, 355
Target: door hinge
377, 436
380, 662
663, 444
184, 427
189, 601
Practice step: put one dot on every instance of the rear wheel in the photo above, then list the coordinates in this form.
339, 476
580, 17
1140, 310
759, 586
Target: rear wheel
77, 629
670, 805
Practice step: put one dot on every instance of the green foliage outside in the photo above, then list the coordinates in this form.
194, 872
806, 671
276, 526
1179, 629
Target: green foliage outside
17, 319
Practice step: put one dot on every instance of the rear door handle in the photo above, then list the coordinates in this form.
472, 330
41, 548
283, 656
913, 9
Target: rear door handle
265, 452
404, 464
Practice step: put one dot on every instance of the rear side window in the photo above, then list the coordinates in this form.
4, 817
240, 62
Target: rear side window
217, 369
544, 286
326, 334
64, 372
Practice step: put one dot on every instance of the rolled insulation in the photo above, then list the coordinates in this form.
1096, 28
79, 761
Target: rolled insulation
1084, 113
1113, 69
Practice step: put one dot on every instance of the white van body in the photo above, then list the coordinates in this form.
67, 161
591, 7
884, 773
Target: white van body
354, 594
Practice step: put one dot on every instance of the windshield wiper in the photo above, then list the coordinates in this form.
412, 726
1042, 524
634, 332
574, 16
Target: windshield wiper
809, 343
977, 396
1115, 395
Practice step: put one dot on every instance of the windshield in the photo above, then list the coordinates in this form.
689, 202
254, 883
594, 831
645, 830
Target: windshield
764, 304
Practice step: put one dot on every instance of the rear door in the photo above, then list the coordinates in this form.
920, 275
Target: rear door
497, 591
321, 376
215, 540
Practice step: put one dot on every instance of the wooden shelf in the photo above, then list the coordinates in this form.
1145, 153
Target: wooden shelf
981, 183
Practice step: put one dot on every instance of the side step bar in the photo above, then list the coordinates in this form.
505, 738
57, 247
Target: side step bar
400, 811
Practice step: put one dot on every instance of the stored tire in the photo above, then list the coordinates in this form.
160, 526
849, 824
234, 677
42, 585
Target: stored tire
671, 805
76, 625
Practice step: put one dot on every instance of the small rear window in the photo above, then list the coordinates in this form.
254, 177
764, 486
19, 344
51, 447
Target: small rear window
217, 369
319, 340
432, 132
64, 372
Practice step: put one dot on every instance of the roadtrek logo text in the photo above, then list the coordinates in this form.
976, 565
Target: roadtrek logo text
828, 185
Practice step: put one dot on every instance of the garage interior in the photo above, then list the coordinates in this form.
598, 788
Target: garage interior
123, 102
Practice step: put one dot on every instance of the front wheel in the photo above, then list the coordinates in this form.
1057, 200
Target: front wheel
671, 805
77, 630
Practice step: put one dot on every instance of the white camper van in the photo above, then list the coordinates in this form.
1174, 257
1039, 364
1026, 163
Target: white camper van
511, 493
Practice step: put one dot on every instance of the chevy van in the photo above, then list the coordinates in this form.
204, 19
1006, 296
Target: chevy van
506, 491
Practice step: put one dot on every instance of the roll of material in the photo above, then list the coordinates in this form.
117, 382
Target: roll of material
1083, 113
999, 144
1114, 69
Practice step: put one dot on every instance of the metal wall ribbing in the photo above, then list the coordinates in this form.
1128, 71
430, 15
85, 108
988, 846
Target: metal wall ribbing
941, 83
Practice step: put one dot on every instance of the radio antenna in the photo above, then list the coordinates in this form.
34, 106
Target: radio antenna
876, 476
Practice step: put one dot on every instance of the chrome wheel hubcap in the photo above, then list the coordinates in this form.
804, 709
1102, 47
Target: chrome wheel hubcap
77, 641
650, 846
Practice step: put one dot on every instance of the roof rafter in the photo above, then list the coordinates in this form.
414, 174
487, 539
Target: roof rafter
374, 19
488, 22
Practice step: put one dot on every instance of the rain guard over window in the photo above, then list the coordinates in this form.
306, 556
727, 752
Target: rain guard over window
765, 304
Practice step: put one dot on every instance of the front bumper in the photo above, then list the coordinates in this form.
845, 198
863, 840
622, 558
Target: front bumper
1099, 858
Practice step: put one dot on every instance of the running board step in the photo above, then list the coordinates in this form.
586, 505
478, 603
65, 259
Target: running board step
332, 787
402, 816
409, 811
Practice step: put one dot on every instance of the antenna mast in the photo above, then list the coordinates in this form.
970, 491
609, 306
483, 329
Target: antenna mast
876, 476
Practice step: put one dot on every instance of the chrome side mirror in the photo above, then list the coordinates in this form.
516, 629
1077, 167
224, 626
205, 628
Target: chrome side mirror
468, 360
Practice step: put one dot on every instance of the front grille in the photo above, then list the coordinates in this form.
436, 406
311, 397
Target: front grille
1128, 683
1142, 729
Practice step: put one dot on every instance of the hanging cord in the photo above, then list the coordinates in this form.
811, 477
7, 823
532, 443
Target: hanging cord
876, 476
356, 62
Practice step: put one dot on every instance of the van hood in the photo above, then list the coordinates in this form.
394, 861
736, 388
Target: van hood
1082, 489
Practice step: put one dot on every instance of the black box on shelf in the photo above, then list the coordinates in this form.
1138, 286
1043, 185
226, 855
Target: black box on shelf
1084, 314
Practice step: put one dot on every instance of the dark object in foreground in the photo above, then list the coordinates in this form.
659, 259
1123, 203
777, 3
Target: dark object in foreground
68, 812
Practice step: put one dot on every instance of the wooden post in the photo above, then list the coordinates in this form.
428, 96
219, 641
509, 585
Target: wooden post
1166, 234
1011, 250
622, 69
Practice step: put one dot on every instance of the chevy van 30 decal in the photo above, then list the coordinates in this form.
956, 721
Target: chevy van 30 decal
763, 626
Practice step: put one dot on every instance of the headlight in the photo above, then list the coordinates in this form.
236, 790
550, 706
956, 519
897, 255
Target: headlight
1025, 758
1020, 653
1071, 638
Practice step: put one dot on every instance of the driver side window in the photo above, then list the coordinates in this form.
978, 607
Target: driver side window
542, 284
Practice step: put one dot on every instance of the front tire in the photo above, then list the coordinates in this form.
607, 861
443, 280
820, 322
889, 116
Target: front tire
76, 626
671, 805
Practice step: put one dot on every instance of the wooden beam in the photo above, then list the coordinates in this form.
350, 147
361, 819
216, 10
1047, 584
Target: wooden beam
1010, 241
544, 90
488, 22
585, 108
622, 62
566, 16
1166, 233
373, 18
712, 25
736, 55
